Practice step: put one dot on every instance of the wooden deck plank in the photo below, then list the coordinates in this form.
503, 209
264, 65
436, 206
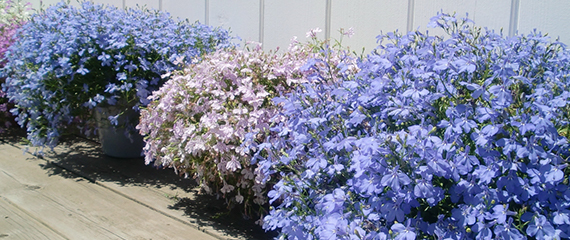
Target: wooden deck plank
15, 223
145, 184
61, 217
79, 209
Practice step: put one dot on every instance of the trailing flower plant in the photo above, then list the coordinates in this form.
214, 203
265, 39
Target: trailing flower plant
13, 13
68, 60
197, 122
456, 137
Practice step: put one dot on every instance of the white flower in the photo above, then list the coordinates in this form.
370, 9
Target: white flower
349, 33
233, 164
227, 188
239, 198
313, 32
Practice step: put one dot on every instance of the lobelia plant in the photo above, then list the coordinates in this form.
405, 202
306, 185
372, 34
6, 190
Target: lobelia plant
462, 137
197, 122
13, 14
68, 60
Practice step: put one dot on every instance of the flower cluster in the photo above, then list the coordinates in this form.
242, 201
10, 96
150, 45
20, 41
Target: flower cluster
456, 137
68, 60
13, 13
198, 121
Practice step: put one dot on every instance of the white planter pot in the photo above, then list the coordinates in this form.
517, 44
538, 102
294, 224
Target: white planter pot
119, 141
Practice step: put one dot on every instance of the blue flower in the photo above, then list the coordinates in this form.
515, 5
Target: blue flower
485, 174
74, 56
395, 179
540, 228
508, 231
114, 120
392, 210
562, 214
334, 201
105, 59
499, 214
404, 232
333, 226
459, 136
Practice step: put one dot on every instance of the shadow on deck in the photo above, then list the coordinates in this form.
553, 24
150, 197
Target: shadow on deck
79, 159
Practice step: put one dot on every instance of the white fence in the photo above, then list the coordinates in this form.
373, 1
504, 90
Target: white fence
275, 22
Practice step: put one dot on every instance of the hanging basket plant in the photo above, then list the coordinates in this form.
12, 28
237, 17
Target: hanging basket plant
68, 60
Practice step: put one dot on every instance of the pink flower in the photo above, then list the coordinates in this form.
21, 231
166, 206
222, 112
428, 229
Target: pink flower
349, 33
205, 112
226, 188
313, 33
233, 164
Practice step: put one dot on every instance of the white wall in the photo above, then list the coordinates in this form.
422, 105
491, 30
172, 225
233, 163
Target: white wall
275, 22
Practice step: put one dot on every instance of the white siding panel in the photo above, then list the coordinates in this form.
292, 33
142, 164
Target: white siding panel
548, 16
241, 17
47, 3
287, 18
368, 18
277, 21
35, 4
118, 4
44, 3
493, 14
150, 4
193, 10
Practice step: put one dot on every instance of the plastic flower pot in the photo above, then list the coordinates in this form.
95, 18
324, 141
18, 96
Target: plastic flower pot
119, 140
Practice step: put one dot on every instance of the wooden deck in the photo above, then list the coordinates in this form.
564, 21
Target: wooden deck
76, 193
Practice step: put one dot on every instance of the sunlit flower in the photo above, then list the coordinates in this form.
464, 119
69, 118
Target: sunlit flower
462, 136
71, 59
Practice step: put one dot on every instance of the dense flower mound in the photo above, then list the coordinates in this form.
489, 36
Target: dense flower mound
68, 60
13, 13
197, 122
460, 137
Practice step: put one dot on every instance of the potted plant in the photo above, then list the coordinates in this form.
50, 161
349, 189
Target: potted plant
462, 136
14, 14
202, 119
69, 62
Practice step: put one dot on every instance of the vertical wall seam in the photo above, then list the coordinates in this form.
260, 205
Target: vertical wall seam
514, 20
261, 20
410, 23
124, 4
160, 5
207, 12
328, 16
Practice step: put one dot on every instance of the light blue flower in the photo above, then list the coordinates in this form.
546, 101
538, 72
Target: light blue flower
75, 57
